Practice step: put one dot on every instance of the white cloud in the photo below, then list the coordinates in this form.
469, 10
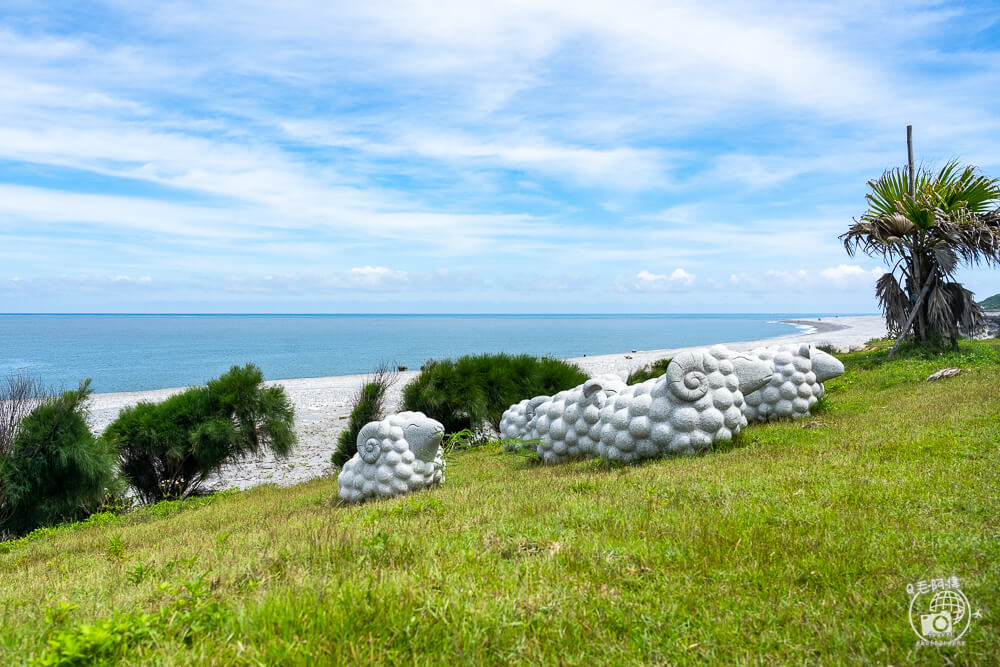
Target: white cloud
851, 275
646, 281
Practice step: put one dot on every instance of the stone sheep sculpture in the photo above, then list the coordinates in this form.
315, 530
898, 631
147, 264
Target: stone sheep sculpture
698, 401
578, 408
397, 455
795, 386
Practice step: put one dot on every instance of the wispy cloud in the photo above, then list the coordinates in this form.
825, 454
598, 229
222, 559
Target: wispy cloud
586, 148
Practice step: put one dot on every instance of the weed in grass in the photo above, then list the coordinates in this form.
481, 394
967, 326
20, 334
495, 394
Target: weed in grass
138, 573
114, 550
56, 614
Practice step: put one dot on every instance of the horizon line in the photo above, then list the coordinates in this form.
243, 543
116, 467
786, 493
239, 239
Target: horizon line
444, 314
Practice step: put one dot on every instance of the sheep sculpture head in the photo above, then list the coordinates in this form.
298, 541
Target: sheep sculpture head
397, 455
698, 401
796, 384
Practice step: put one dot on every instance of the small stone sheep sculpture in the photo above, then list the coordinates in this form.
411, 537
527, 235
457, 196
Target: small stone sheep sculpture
578, 408
397, 455
698, 401
797, 383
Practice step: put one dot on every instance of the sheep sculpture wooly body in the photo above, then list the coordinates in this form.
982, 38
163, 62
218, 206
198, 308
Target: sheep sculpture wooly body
698, 401
397, 455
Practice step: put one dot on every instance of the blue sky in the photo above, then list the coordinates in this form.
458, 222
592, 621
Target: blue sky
441, 156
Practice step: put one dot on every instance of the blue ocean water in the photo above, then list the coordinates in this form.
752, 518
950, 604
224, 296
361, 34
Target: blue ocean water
139, 352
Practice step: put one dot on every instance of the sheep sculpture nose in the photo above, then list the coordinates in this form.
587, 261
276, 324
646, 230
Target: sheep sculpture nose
752, 373
424, 438
825, 366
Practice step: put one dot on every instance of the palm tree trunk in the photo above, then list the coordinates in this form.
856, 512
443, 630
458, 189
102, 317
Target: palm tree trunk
917, 307
918, 272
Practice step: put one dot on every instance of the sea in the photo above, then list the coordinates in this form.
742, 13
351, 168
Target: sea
139, 352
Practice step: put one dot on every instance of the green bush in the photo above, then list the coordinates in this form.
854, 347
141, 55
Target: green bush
649, 371
55, 469
167, 449
467, 392
369, 404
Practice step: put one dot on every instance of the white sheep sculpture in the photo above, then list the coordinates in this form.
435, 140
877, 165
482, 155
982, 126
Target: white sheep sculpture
397, 455
698, 401
796, 384
571, 416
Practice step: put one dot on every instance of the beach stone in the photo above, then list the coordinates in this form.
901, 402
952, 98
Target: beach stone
796, 384
396, 456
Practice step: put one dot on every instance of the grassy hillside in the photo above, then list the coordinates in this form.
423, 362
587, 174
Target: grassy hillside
794, 545
991, 303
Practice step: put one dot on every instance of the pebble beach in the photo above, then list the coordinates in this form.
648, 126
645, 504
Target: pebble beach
323, 404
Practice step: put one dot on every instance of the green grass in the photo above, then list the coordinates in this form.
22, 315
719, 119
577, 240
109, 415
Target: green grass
792, 545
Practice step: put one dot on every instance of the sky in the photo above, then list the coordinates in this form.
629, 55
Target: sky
471, 157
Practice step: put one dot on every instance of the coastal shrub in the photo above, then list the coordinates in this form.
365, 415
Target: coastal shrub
368, 406
648, 372
55, 469
472, 390
166, 450
20, 393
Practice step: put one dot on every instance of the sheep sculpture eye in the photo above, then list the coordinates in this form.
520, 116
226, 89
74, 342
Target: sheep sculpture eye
370, 450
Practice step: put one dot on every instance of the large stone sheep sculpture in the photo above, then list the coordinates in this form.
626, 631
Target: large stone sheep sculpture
795, 386
397, 455
698, 401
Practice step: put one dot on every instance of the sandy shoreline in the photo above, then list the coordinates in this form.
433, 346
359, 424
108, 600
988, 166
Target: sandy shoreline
323, 404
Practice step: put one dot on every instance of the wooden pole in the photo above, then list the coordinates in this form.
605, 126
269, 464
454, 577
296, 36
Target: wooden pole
909, 320
917, 277
909, 151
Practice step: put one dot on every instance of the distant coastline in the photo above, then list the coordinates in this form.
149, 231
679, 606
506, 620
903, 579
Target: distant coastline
817, 326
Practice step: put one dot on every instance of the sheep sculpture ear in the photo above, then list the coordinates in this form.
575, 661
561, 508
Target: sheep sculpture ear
532, 406
595, 385
805, 350
591, 387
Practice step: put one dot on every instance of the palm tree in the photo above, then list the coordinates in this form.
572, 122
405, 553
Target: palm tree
946, 220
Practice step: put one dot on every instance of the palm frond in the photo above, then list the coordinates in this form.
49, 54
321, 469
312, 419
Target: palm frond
895, 304
959, 188
944, 257
965, 312
939, 314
